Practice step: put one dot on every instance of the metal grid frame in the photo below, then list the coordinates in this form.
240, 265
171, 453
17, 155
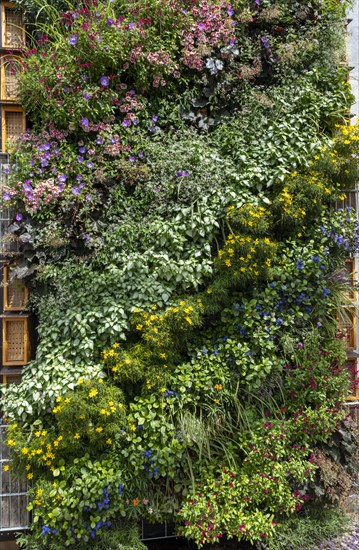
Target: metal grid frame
13, 494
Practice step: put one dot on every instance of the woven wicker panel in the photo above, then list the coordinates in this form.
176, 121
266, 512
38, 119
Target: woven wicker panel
13, 32
13, 124
11, 81
15, 339
16, 296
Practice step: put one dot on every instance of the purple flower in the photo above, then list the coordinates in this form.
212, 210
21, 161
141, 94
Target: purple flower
82, 150
75, 190
19, 217
6, 196
132, 158
131, 26
179, 174
126, 123
230, 11
27, 187
90, 164
73, 40
79, 177
45, 147
104, 81
80, 159
86, 95
85, 122
140, 155
62, 178
135, 121
99, 141
152, 129
185, 173
66, 89
86, 236
85, 77
265, 42
88, 197
155, 118
110, 22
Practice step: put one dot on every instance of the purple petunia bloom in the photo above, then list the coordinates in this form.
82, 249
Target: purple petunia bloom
62, 178
155, 118
132, 26
132, 158
19, 217
75, 190
230, 11
90, 164
179, 174
82, 150
88, 197
80, 159
152, 129
79, 177
86, 95
6, 196
140, 155
99, 141
110, 22
185, 173
126, 123
104, 81
85, 122
73, 40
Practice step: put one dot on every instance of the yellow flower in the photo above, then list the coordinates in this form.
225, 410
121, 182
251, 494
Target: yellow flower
30, 475
135, 310
24, 450
93, 392
11, 442
209, 291
27, 467
218, 387
39, 492
132, 427
109, 441
6, 468
189, 320
80, 381
162, 390
77, 436
154, 308
139, 327
58, 399
99, 429
228, 263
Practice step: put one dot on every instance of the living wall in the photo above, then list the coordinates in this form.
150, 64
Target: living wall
174, 202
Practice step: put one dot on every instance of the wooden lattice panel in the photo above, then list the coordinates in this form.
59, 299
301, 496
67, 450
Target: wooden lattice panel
10, 88
352, 367
15, 340
13, 27
347, 327
15, 293
13, 125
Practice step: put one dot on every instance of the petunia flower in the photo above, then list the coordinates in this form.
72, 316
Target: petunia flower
73, 40
104, 81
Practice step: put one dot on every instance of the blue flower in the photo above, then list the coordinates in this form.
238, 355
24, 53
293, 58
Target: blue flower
326, 291
299, 264
73, 40
120, 489
45, 530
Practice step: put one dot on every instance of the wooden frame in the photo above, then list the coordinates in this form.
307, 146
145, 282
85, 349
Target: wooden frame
9, 134
9, 81
347, 326
15, 340
352, 366
350, 271
10, 376
12, 25
15, 292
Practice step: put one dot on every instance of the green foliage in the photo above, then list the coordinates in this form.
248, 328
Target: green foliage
173, 205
